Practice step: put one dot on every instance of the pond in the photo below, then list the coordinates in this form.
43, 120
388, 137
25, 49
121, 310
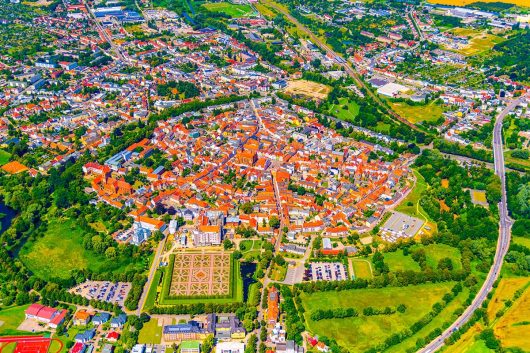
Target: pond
247, 270
6, 217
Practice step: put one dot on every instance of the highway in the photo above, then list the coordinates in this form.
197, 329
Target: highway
344, 64
505, 224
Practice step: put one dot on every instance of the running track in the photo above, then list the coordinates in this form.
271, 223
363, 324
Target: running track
30, 344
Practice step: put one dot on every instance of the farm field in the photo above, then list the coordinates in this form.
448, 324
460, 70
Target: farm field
505, 291
308, 88
348, 114
467, 2
513, 327
61, 250
232, 10
372, 330
397, 261
10, 319
361, 268
151, 333
417, 113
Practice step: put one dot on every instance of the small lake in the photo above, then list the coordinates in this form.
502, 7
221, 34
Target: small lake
247, 270
7, 217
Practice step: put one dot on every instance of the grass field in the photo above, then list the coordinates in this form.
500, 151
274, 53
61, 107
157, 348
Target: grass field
523, 163
436, 252
447, 314
232, 10
61, 250
361, 268
397, 261
348, 114
309, 89
151, 333
521, 241
479, 41
467, 2
4, 157
417, 113
264, 10
468, 342
360, 333
10, 319
8, 348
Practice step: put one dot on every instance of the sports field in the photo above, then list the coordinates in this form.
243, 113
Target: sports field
11, 318
365, 332
308, 88
232, 10
361, 268
29, 344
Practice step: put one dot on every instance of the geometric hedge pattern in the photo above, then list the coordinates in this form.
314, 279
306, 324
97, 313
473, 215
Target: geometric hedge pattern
200, 274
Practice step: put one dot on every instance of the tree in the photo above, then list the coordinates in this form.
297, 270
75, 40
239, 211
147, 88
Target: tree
227, 244
274, 222
207, 344
247, 208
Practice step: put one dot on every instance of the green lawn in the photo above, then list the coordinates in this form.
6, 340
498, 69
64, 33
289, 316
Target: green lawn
54, 347
9, 348
4, 157
362, 268
61, 250
348, 114
232, 10
521, 241
397, 261
360, 333
436, 252
151, 333
416, 113
10, 319
153, 290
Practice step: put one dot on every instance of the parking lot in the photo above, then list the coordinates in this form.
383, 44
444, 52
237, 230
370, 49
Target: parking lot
328, 271
400, 225
112, 292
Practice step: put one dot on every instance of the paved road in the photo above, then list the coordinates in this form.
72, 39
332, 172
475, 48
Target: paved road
343, 63
503, 242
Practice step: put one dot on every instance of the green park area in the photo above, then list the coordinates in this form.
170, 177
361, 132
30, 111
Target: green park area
397, 261
232, 10
61, 250
250, 249
346, 110
431, 111
372, 330
4, 157
10, 319
150, 333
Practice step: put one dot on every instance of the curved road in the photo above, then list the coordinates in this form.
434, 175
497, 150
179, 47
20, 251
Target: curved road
505, 224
